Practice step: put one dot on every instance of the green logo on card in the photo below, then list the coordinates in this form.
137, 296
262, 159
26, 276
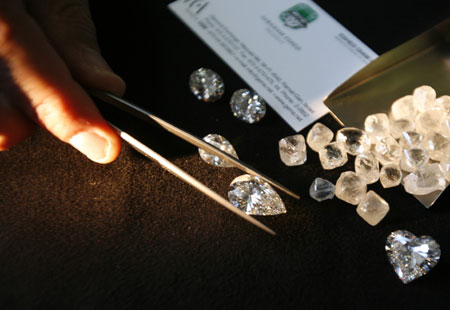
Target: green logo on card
298, 16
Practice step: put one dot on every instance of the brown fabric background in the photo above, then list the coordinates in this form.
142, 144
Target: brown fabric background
129, 235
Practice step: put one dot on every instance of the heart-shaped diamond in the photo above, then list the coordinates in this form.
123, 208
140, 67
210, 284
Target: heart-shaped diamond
410, 256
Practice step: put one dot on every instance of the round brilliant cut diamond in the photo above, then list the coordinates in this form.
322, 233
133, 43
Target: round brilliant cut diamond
247, 106
206, 85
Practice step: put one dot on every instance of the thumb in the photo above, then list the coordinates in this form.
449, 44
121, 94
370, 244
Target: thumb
69, 28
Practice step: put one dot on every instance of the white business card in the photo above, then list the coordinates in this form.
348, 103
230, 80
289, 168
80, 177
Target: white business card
291, 52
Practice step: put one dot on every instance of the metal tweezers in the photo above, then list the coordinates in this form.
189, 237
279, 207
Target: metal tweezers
135, 110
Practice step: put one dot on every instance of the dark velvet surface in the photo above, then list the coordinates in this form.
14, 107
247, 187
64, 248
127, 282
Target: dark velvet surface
129, 235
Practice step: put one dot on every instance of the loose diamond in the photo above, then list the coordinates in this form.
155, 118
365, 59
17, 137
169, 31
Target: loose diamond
255, 196
444, 103
319, 136
387, 150
445, 129
206, 85
403, 108
366, 165
411, 139
413, 159
429, 121
399, 126
427, 179
437, 145
247, 106
293, 150
333, 155
410, 256
424, 97
321, 190
350, 187
377, 126
445, 166
354, 140
390, 175
222, 144
372, 208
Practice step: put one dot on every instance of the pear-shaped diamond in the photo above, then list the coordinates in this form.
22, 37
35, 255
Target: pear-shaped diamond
255, 196
410, 256
222, 144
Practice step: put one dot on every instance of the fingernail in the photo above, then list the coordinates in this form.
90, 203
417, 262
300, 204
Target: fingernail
95, 63
92, 145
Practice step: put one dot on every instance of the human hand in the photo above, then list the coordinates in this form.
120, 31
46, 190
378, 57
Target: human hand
48, 49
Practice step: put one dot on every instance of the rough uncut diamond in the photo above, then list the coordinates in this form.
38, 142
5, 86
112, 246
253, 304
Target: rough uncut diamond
319, 136
350, 187
403, 108
410, 256
424, 97
222, 144
387, 150
206, 85
293, 150
354, 140
445, 166
399, 126
366, 165
377, 126
444, 104
321, 189
247, 106
390, 175
437, 145
333, 155
413, 159
445, 129
426, 180
429, 121
255, 196
411, 139
372, 208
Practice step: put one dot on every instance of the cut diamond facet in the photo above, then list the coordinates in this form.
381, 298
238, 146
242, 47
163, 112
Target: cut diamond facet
222, 144
354, 140
255, 196
321, 189
333, 155
206, 85
247, 106
372, 208
350, 187
293, 150
410, 256
319, 136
